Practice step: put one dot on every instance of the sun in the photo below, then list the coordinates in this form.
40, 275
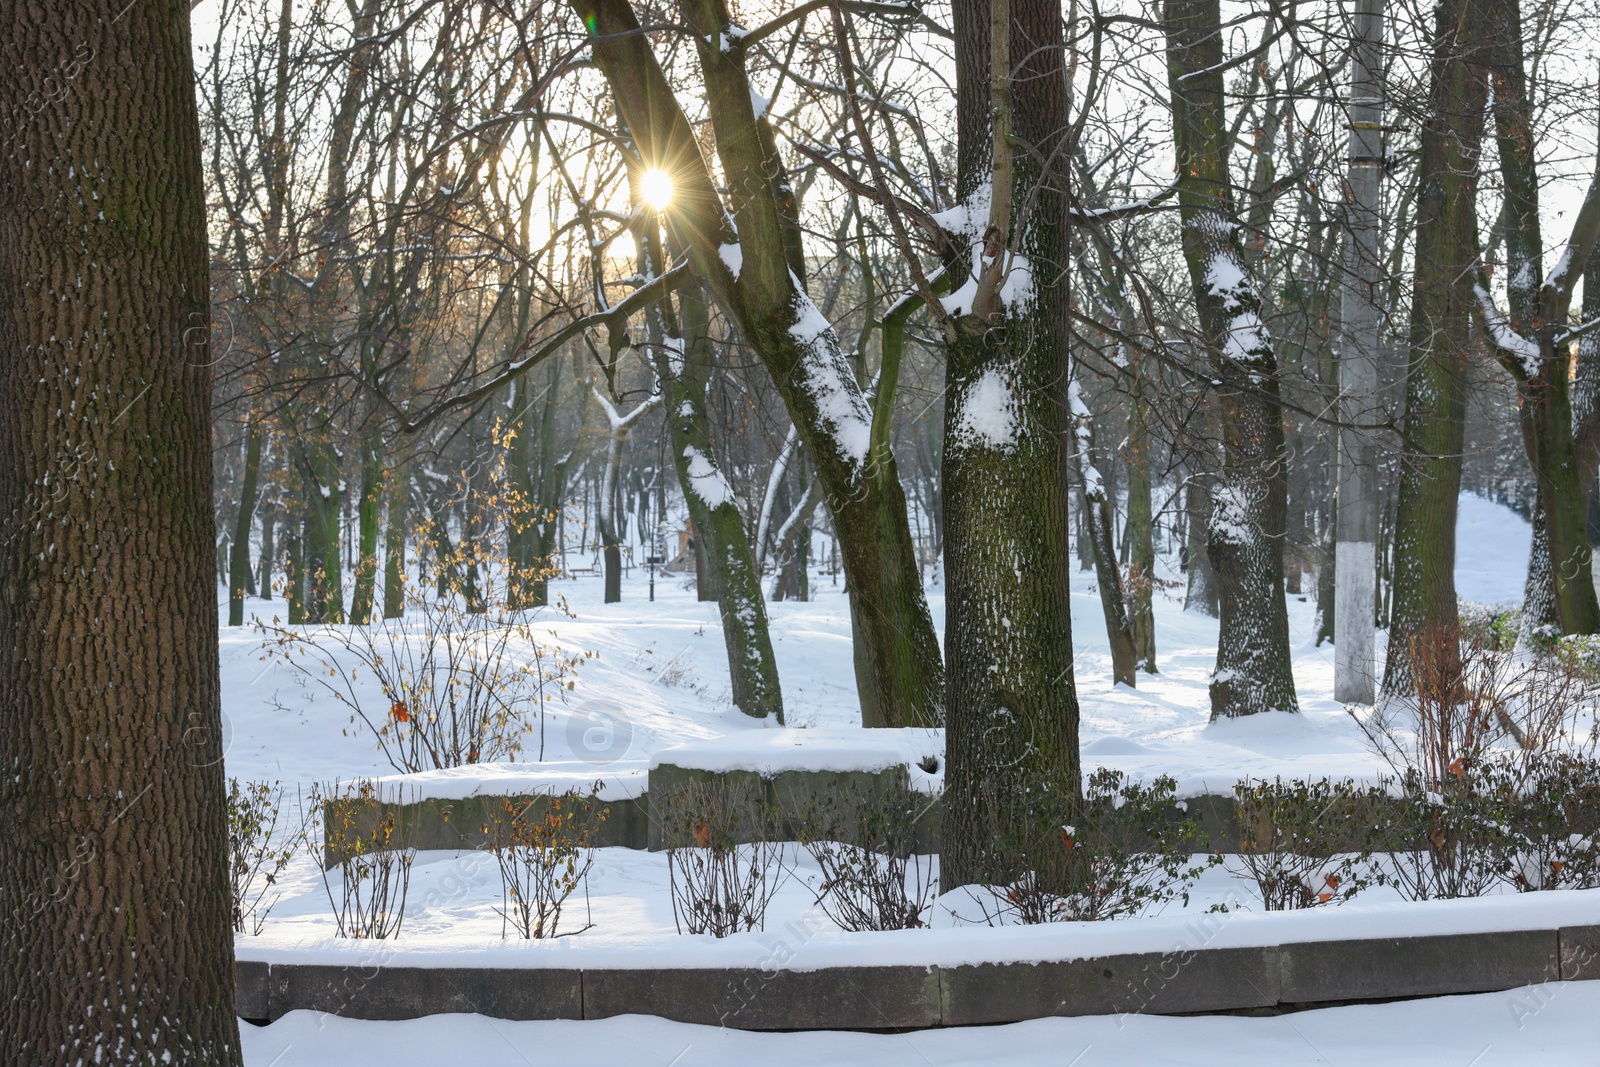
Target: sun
655, 188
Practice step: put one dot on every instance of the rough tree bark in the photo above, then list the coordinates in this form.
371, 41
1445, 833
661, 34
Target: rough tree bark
1249, 498
1011, 748
114, 900
1530, 343
680, 347
1441, 338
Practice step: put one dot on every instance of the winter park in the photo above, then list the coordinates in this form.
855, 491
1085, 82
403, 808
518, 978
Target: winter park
844, 532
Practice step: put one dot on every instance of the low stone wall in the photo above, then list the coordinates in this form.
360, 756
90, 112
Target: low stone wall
1282, 977
634, 823
464, 824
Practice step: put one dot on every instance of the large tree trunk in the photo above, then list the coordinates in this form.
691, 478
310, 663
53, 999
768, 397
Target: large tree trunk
239, 551
1441, 341
1011, 748
1249, 501
1528, 344
114, 900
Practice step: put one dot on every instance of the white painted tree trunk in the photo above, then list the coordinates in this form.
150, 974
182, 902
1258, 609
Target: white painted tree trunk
1356, 523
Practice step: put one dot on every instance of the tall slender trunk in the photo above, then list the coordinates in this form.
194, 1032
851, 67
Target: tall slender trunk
1140, 535
294, 572
239, 553
269, 549
1200, 596
368, 506
613, 518
115, 918
1441, 339
1249, 500
681, 346
1096, 510
394, 544
728, 561
1360, 401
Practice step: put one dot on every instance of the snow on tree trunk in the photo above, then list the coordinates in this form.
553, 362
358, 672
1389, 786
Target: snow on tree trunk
1250, 496
1097, 519
1012, 765
682, 363
902, 674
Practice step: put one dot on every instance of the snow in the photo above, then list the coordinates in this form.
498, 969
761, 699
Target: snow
732, 257
450, 922
828, 378
709, 484
661, 676
1549, 1024
514, 779
1247, 339
988, 413
1230, 516
1492, 545
658, 692
835, 748
1504, 337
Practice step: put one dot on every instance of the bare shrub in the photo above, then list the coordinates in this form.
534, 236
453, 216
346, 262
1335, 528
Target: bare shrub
722, 883
1553, 820
459, 680
257, 851
1479, 802
864, 843
544, 850
1131, 852
1307, 843
374, 865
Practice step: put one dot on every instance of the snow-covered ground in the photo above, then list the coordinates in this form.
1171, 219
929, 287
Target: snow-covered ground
660, 680
1550, 1025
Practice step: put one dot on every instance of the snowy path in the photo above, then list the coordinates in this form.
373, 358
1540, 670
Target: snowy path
1550, 1025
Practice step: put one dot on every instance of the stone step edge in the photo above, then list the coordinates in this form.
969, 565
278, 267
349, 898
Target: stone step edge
1185, 980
